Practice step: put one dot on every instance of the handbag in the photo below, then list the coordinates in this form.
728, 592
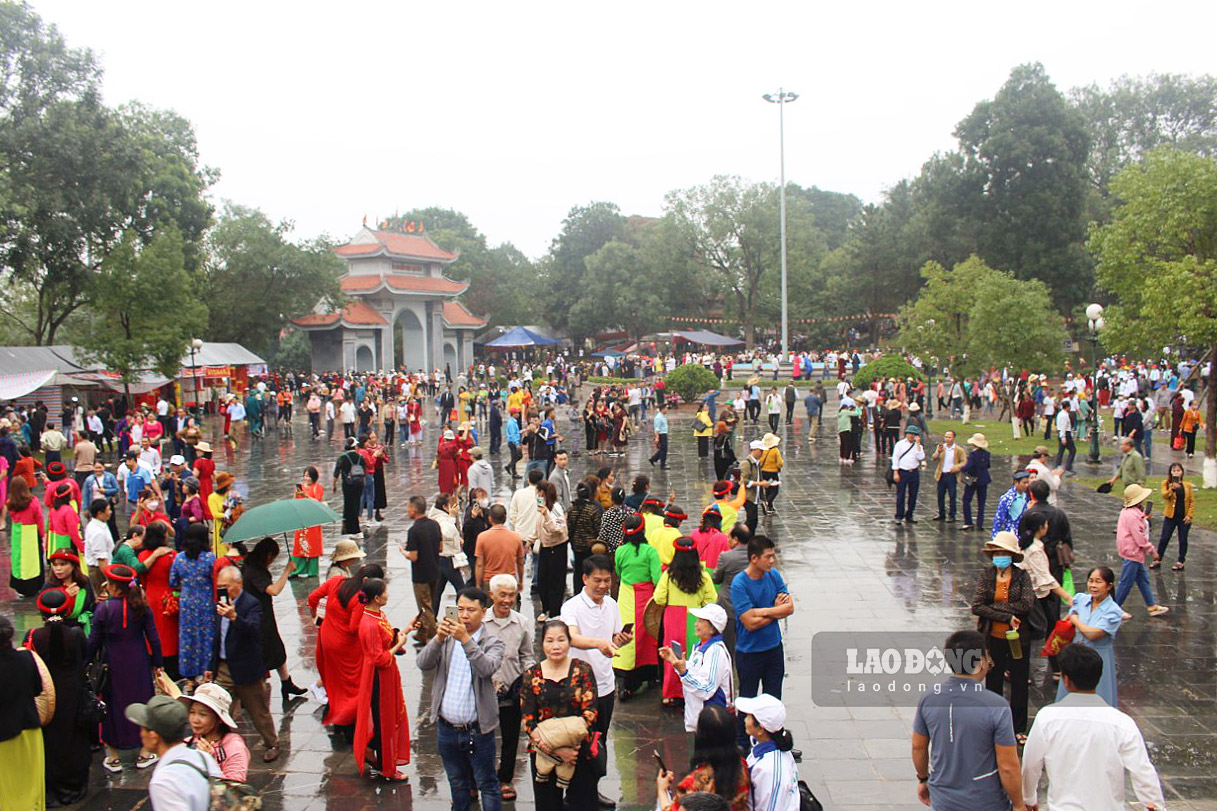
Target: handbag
968, 479
460, 561
807, 800
1062, 635
89, 709
170, 604
1037, 621
1177, 442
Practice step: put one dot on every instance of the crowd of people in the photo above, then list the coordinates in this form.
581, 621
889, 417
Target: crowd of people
174, 629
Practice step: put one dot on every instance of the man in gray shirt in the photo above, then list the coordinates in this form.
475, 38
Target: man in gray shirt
964, 752
464, 659
507, 624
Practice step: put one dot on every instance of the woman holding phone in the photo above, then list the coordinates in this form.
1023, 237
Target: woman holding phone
381, 710
715, 765
552, 533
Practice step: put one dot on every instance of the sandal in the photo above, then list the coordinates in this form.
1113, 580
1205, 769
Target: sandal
507, 792
112, 764
1155, 565
1178, 567
396, 777
145, 760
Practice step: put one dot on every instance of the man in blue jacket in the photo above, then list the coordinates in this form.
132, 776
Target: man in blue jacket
236, 660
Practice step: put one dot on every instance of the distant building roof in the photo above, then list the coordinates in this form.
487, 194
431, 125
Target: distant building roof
356, 313
456, 316
404, 282
404, 246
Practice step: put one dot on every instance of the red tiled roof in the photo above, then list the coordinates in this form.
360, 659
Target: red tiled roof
403, 281
456, 315
316, 320
429, 284
356, 313
360, 312
351, 283
408, 245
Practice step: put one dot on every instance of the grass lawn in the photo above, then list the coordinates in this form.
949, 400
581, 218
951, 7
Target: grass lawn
1001, 443
1206, 500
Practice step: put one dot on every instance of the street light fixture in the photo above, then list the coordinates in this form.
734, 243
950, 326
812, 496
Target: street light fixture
196, 345
781, 99
1094, 319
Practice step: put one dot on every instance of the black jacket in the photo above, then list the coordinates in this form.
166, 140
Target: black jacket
244, 642
1022, 598
19, 683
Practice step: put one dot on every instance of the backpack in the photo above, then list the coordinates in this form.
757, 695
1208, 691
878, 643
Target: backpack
226, 795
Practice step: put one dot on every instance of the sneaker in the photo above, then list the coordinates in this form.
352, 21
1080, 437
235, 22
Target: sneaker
112, 764
145, 760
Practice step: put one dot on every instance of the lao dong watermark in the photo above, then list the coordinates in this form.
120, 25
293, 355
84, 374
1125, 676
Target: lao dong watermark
883, 668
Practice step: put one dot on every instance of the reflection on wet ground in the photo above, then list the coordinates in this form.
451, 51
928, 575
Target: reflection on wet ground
850, 568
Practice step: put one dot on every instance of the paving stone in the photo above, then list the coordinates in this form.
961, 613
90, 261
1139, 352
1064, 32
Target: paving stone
850, 568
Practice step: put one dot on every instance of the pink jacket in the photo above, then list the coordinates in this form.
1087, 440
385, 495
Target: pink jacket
1132, 535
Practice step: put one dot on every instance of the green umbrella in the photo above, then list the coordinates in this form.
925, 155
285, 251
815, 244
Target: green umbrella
279, 517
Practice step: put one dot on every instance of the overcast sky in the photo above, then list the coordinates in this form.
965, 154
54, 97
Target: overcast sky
515, 112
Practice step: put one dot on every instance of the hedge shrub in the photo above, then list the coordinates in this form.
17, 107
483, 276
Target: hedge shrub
886, 366
691, 381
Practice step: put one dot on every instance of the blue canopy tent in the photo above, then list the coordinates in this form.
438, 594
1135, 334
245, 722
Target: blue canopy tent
518, 337
608, 353
705, 337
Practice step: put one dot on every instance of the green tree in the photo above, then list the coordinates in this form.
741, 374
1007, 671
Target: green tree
1137, 114
256, 279
79, 177
731, 227
563, 272
38, 66
973, 317
1029, 147
132, 332
1158, 258
619, 293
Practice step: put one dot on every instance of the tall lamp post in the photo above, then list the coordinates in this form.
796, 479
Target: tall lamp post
1094, 319
781, 99
195, 345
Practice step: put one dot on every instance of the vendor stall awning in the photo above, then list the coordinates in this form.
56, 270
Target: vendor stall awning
705, 337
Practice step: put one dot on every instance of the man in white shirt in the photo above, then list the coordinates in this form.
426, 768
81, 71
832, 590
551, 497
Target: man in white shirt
180, 780
1085, 745
950, 458
346, 414
150, 456
595, 634
99, 541
907, 457
329, 419
1064, 433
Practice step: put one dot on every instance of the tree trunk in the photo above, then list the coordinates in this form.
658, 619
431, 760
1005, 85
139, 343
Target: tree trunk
1210, 429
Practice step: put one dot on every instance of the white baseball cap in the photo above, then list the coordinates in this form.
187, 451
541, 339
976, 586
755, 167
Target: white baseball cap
177, 459
713, 614
768, 711
756, 445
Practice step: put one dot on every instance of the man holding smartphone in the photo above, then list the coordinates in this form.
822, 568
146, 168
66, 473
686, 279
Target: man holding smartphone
595, 634
422, 550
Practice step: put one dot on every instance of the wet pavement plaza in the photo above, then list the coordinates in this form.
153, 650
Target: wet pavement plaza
850, 569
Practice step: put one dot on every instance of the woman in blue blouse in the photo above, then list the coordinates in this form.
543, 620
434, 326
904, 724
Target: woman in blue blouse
1097, 617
